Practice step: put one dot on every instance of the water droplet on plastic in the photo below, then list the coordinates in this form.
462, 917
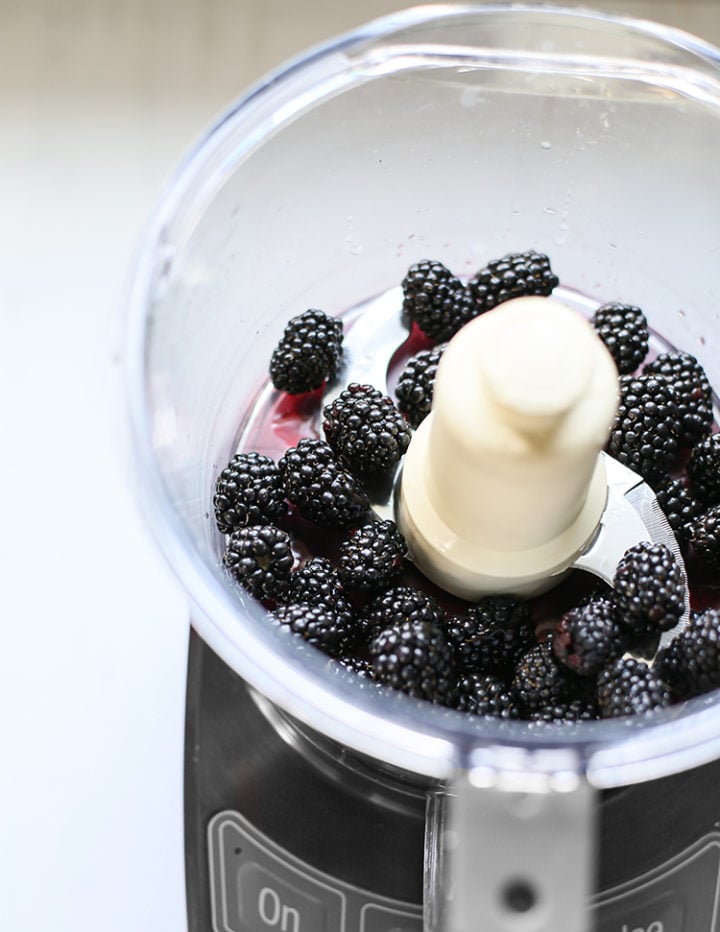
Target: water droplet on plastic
550, 210
545, 144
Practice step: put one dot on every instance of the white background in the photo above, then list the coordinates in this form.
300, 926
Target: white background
99, 100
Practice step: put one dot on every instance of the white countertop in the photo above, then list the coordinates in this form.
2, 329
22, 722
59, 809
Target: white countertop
100, 99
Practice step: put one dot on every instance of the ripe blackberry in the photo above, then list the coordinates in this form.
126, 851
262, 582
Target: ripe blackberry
703, 470
436, 299
416, 658
398, 605
589, 637
630, 687
679, 507
248, 491
692, 393
539, 679
365, 429
484, 695
371, 556
624, 331
308, 352
318, 625
577, 709
260, 557
320, 488
490, 636
318, 583
359, 665
644, 436
690, 664
649, 589
705, 537
515, 275
414, 389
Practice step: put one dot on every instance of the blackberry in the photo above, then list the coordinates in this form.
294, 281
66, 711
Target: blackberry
705, 537
260, 557
588, 638
318, 583
703, 469
436, 299
484, 695
320, 488
630, 687
398, 605
365, 429
644, 436
624, 331
416, 658
490, 636
649, 589
692, 392
515, 275
308, 352
318, 625
414, 389
248, 491
578, 709
371, 556
690, 664
539, 679
679, 506
359, 665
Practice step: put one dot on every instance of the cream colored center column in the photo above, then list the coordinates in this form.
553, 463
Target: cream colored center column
503, 485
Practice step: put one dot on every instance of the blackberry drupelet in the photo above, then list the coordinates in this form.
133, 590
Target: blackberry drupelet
690, 664
624, 331
308, 352
398, 605
679, 506
587, 638
371, 556
644, 436
320, 488
512, 276
630, 687
692, 393
414, 389
703, 469
436, 299
416, 658
539, 679
491, 636
248, 491
482, 694
319, 625
649, 589
705, 537
366, 431
260, 557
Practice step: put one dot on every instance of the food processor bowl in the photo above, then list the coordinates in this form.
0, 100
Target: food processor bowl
457, 133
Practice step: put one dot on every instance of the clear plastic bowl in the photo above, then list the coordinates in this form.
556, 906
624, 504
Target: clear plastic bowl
457, 133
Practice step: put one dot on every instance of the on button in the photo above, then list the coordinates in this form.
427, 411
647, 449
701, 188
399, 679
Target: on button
266, 902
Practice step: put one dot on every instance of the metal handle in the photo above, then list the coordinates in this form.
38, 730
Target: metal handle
510, 852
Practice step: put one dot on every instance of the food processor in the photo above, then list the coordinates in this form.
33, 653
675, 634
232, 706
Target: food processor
459, 133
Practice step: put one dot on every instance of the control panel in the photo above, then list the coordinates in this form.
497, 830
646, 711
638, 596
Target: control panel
256, 886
